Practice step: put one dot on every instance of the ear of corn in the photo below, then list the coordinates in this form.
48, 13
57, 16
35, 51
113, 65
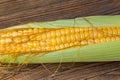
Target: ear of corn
108, 51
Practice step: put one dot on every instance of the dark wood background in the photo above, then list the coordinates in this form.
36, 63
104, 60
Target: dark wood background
14, 12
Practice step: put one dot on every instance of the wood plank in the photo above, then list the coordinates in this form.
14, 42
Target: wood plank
23, 11
15, 12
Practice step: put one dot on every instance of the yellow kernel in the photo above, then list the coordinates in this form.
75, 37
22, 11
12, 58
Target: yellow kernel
8, 40
97, 40
29, 44
71, 44
37, 37
66, 45
19, 33
53, 41
100, 35
30, 30
108, 39
67, 31
109, 31
62, 32
57, 32
102, 40
47, 48
84, 42
42, 43
63, 39
62, 46
48, 34
72, 30
33, 49
14, 34
2, 41
57, 47
52, 48
90, 32
72, 37
41, 29
25, 38
17, 40
82, 35
114, 30
36, 43
77, 30
42, 48
76, 43
90, 41
52, 34
86, 34
58, 41
44, 36
95, 33
35, 30
68, 38
77, 36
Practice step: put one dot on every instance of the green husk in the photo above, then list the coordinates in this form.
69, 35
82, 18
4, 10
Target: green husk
109, 51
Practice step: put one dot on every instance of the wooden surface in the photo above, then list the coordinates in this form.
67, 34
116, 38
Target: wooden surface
14, 12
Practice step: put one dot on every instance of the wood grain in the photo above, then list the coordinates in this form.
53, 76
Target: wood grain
15, 12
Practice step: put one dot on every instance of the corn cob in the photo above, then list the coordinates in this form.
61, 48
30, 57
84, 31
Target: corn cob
47, 40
